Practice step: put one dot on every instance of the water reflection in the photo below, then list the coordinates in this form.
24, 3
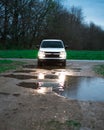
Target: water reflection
61, 79
41, 76
57, 81
44, 90
81, 88
85, 88
75, 87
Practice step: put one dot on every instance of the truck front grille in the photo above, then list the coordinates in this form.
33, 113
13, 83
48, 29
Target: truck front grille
52, 54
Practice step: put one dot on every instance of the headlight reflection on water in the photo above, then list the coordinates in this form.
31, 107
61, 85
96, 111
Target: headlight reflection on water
61, 80
43, 88
41, 76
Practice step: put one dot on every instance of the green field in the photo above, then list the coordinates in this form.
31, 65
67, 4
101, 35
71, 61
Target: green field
85, 55
18, 54
32, 54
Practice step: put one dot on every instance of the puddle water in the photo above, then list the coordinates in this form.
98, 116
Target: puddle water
7, 94
16, 94
21, 76
75, 87
80, 88
76, 69
29, 85
4, 93
84, 88
46, 66
24, 71
51, 76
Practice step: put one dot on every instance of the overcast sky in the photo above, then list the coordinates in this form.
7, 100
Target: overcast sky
93, 10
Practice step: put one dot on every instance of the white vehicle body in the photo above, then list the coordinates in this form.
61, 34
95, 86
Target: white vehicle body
52, 50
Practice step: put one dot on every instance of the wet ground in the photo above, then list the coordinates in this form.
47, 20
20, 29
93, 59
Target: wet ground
61, 81
32, 96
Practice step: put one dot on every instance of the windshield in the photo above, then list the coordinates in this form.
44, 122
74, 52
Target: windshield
52, 44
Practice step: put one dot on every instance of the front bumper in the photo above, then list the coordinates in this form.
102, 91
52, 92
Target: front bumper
52, 61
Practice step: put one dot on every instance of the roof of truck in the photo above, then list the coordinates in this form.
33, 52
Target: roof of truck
51, 40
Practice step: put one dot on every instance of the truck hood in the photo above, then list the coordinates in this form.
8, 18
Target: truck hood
52, 49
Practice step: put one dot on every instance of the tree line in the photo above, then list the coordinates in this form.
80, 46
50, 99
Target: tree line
24, 23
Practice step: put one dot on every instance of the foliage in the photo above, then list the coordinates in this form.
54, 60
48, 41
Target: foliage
24, 23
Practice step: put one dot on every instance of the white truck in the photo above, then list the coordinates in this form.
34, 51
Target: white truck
52, 51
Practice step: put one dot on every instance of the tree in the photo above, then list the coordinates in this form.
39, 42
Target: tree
4, 20
23, 23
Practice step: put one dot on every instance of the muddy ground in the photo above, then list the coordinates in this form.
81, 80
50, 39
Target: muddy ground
28, 108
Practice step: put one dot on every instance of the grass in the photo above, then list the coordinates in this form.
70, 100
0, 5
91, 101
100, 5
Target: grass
53, 124
86, 55
73, 123
32, 54
99, 69
6, 65
68, 124
18, 54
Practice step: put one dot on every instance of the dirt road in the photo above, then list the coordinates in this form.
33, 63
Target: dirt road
24, 107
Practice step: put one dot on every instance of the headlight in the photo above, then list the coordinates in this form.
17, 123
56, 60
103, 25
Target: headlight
41, 54
63, 54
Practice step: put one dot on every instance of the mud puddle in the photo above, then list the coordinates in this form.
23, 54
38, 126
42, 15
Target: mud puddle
22, 77
84, 88
80, 88
8, 94
59, 81
24, 71
4, 93
32, 85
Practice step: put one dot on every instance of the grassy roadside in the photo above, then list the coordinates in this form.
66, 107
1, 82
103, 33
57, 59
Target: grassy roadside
18, 54
85, 55
6, 65
99, 69
32, 54
56, 125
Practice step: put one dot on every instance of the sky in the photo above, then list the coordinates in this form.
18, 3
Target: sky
93, 10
